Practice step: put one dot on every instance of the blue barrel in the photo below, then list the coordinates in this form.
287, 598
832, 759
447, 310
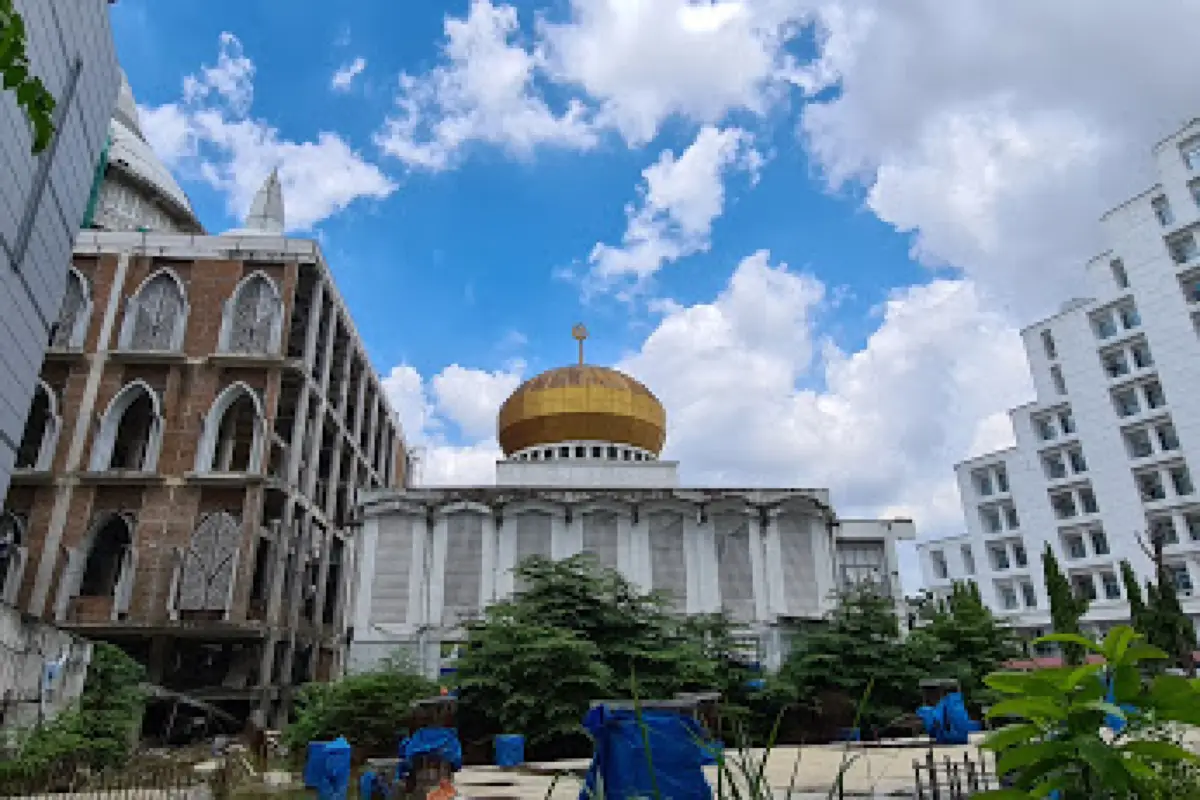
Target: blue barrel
510, 750
314, 764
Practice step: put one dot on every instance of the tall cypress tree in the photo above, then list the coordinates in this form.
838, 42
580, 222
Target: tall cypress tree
1137, 605
1065, 608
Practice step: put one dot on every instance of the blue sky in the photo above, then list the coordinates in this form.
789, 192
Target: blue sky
730, 193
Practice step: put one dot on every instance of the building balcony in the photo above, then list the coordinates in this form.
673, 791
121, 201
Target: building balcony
149, 356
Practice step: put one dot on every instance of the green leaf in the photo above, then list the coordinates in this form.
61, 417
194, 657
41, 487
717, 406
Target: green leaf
1010, 735
1088, 672
1034, 708
1070, 638
1000, 794
1029, 754
1160, 751
1104, 707
1143, 652
1117, 642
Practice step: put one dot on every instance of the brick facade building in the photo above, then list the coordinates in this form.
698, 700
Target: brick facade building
202, 424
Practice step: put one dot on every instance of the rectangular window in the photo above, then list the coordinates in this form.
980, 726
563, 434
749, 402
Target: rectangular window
1063, 505
1141, 355
1181, 480
1020, 557
1078, 464
1114, 363
1162, 529
1183, 580
1154, 394
1011, 518
1129, 316
1189, 284
1183, 248
938, 559
1066, 422
1029, 594
1126, 402
1190, 151
999, 557
1054, 466
1118, 272
968, 559
1151, 486
1137, 441
1048, 345
1112, 586
1060, 385
990, 517
1008, 597
1084, 586
1074, 546
1099, 542
1162, 211
1191, 521
1087, 499
1001, 479
1167, 438
1104, 326
1045, 429
983, 482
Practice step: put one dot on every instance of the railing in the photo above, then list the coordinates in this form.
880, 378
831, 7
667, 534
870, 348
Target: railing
133, 781
953, 778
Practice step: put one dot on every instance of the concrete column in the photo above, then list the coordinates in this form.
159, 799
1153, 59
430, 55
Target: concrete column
364, 575
709, 580
295, 456
344, 389
641, 573
692, 561
360, 403
625, 546
824, 556
776, 588
506, 552
437, 571
758, 570
85, 414
373, 434
488, 556
566, 537
418, 576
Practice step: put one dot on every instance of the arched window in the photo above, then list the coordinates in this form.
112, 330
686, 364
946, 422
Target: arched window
41, 430
233, 432
130, 432
12, 555
253, 318
156, 316
71, 327
106, 558
209, 564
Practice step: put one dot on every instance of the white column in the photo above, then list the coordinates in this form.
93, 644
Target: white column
776, 591
709, 579
506, 552
824, 552
364, 548
567, 538
437, 571
487, 569
625, 555
640, 572
692, 563
758, 572
418, 584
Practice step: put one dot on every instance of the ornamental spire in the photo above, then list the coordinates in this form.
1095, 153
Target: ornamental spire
579, 333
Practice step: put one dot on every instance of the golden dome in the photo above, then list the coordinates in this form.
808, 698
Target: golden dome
582, 403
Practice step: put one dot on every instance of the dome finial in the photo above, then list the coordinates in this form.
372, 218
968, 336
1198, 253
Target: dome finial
579, 333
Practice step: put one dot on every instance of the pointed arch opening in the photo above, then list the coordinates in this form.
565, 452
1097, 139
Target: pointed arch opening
253, 319
105, 561
36, 450
156, 315
12, 555
130, 433
70, 329
231, 440
208, 567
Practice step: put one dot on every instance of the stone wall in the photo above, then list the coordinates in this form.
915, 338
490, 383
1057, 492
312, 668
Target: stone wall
27, 646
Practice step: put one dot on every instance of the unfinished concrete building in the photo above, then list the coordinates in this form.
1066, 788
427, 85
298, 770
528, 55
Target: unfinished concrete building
203, 421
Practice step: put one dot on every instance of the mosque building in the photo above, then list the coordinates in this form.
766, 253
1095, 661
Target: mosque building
582, 472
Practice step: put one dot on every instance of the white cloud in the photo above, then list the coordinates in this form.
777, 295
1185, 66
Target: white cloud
643, 62
471, 397
484, 92
345, 75
680, 199
210, 136
999, 132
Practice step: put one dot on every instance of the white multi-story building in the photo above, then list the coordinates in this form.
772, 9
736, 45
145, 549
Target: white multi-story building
1106, 456
43, 197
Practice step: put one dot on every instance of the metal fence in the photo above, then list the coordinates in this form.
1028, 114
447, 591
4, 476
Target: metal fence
951, 778
133, 781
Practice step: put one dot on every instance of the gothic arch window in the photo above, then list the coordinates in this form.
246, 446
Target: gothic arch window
156, 315
71, 327
253, 319
206, 573
130, 434
41, 430
107, 557
12, 555
232, 438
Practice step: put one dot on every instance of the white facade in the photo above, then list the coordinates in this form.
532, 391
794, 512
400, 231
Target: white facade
1108, 451
428, 559
42, 198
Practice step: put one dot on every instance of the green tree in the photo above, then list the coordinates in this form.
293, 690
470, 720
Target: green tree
857, 647
369, 709
15, 75
1060, 744
1160, 616
1066, 609
960, 638
1133, 591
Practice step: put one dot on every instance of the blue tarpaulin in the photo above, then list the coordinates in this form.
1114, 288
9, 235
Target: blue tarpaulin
679, 748
510, 750
327, 768
947, 722
440, 742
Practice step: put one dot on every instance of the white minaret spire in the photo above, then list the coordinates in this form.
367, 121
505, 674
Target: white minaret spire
266, 212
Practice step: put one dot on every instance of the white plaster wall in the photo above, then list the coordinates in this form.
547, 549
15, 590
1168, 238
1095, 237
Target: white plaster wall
25, 648
42, 199
593, 475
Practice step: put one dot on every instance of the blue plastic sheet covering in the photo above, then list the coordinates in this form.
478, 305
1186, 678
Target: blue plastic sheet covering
440, 742
327, 768
947, 722
620, 769
1112, 721
510, 750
